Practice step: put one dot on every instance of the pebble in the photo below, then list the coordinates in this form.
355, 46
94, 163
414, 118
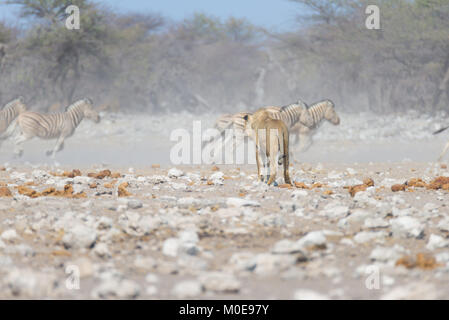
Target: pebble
407, 227
187, 289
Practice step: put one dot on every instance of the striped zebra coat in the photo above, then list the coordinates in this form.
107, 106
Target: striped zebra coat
319, 111
290, 114
53, 126
8, 114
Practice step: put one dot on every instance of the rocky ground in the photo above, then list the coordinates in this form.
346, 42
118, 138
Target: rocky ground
165, 232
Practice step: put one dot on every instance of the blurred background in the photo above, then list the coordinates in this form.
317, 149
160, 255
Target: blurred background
224, 56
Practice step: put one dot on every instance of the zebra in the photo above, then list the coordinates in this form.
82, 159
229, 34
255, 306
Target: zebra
290, 114
446, 147
8, 114
53, 126
319, 111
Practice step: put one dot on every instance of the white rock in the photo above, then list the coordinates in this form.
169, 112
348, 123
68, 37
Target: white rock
299, 194
314, 238
351, 171
375, 223
220, 282
175, 173
188, 236
443, 225
407, 227
79, 236
116, 288
151, 278
27, 283
436, 242
101, 250
82, 180
9, 235
171, 247
238, 202
306, 294
134, 204
365, 236
272, 264
413, 291
286, 247
385, 254
187, 289
217, 178
145, 263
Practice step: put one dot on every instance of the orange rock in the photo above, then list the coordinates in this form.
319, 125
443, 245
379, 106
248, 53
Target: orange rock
285, 186
301, 185
62, 253
93, 185
443, 166
68, 189
122, 192
124, 184
116, 175
72, 174
28, 192
49, 191
328, 192
422, 261
398, 187
80, 195
316, 185
445, 186
215, 168
155, 166
368, 182
416, 182
357, 188
5, 192
108, 185
438, 183
100, 175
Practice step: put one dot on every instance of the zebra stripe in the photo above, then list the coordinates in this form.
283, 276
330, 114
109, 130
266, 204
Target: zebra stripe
58, 125
319, 111
10, 112
322, 110
50, 126
289, 114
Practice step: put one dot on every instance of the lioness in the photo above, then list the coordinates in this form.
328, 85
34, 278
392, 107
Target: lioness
276, 133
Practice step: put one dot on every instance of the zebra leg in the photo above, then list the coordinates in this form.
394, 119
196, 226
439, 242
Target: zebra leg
260, 177
446, 147
59, 146
18, 141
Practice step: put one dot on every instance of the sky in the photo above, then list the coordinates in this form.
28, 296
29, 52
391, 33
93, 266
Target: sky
278, 15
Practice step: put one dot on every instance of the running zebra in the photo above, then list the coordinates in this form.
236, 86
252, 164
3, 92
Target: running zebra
9, 114
53, 126
319, 111
290, 114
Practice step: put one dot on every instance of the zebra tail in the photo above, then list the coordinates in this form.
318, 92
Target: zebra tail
222, 134
441, 130
10, 130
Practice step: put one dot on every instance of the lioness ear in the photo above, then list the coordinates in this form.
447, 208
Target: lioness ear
245, 117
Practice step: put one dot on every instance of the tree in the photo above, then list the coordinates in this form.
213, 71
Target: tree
65, 53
